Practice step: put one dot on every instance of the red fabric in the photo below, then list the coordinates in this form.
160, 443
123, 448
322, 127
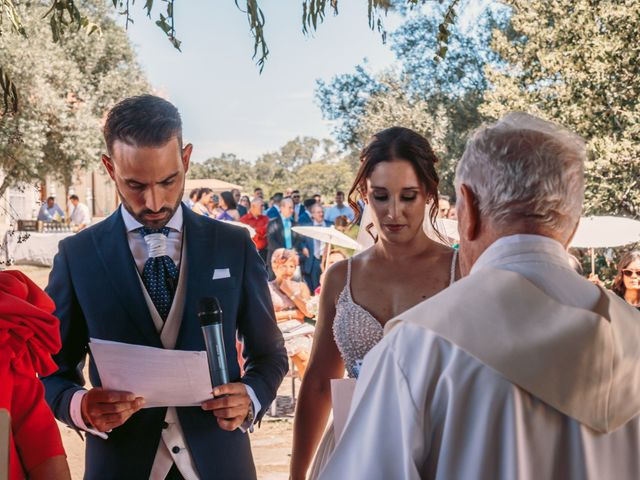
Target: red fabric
259, 224
29, 335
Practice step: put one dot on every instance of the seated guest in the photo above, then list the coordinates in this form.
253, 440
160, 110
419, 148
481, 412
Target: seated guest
627, 281
80, 215
50, 211
290, 304
339, 209
521, 370
258, 222
201, 206
227, 205
29, 336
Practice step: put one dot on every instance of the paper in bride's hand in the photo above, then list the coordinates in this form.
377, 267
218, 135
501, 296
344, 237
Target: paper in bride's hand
165, 378
341, 395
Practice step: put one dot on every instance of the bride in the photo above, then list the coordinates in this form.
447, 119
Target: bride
396, 180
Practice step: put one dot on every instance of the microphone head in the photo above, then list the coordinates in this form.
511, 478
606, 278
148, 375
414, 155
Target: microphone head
209, 311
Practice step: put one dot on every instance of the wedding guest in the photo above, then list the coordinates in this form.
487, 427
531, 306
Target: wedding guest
290, 304
452, 215
193, 197
29, 336
397, 179
245, 203
627, 282
201, 206
444, 207
80, 215
339, 209
259, 223
50, 211
341, 223
274, 210
280, 232
228, 208
237, 196
298, 206
334, 257
312, 264
523, 369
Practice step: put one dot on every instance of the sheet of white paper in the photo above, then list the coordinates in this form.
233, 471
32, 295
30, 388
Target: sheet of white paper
341, 394
165, 378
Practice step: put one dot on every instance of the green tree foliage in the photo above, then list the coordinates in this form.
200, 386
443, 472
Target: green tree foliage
576, 62
67, 87
438, 99
311, 165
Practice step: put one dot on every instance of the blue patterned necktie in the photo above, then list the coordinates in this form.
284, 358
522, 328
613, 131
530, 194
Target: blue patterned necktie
160, 274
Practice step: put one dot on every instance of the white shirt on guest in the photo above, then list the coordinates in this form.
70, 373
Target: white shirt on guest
80, 214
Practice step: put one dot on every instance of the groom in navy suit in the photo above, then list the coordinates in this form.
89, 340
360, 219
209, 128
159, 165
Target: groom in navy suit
137, 277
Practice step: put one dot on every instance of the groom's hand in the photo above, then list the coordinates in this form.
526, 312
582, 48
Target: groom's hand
105, 410
231, 409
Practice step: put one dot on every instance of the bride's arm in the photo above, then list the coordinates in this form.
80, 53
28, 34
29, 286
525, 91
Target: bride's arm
314, 403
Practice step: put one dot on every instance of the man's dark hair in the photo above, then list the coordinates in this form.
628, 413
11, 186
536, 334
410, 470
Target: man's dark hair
340, 192
294, 191
51, 198
277, 197
74, 197
143, 121
256, 189
309, 202
194, 192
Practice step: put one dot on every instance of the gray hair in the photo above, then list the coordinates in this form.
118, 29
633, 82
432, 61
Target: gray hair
523, 168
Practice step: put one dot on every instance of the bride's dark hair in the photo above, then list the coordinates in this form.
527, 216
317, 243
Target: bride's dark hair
397, 143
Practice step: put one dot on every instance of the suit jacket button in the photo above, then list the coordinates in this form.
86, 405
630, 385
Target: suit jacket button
175, 449
165, 425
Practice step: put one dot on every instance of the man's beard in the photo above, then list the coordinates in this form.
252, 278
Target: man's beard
140, 216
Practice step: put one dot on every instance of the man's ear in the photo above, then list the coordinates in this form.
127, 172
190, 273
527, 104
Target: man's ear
186, 156
108, 164
470, 225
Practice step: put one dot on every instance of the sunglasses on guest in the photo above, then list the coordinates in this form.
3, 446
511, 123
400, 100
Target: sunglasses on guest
628, 273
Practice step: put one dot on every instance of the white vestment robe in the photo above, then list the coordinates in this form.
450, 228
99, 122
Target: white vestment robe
522, 370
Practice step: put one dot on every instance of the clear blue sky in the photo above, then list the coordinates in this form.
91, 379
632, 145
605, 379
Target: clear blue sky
226, 104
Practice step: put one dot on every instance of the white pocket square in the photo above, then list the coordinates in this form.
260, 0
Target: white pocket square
219, 273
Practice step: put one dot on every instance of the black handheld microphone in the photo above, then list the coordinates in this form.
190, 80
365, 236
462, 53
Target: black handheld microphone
210, 316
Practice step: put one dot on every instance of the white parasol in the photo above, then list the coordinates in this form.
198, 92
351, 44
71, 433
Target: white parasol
604, 232
330, 236
448, 228
252, 231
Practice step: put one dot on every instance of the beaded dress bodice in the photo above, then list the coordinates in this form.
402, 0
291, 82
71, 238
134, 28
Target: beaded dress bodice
356, 330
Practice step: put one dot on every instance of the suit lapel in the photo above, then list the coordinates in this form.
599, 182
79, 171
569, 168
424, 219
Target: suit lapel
119, 266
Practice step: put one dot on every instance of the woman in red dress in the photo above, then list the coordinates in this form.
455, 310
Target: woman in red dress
29, 335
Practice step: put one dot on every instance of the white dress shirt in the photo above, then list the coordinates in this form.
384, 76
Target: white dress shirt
80, 215
172, 436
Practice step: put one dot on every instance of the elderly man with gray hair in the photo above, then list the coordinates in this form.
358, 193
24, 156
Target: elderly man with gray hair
521, 370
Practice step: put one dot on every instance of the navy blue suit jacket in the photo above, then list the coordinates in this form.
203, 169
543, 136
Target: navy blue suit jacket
94, 283
307, 262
